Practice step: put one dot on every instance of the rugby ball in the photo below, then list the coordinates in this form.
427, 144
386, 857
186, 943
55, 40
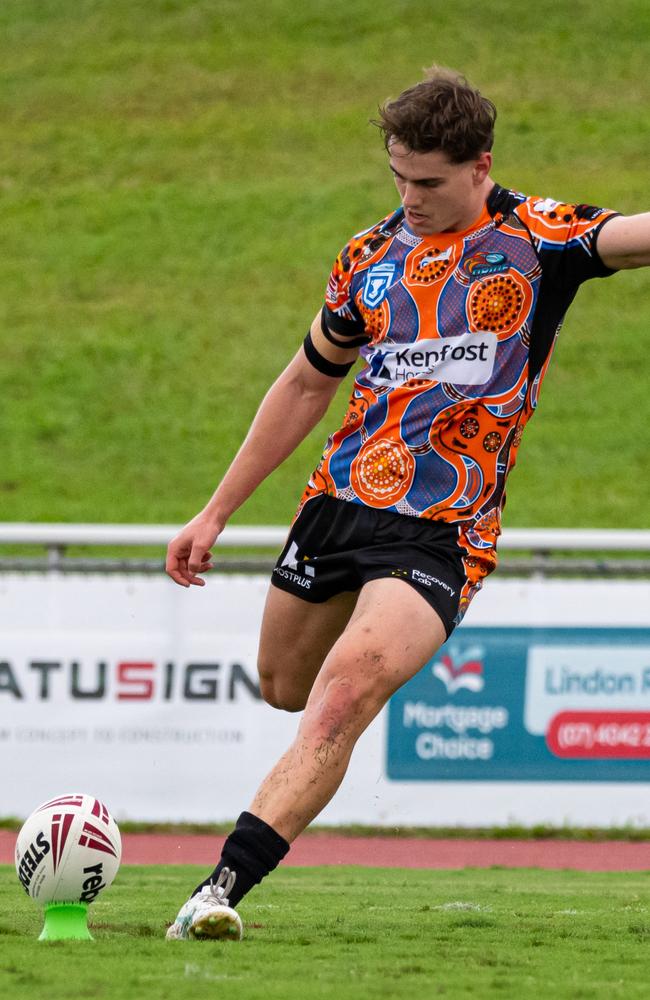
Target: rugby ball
69, 850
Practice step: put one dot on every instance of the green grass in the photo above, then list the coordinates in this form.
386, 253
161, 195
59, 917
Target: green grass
177, 176
349, 933
538, 831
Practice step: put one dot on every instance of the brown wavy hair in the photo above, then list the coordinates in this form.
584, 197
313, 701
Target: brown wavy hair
443, 112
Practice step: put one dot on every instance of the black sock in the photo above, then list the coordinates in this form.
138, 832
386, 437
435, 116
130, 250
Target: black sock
252, 850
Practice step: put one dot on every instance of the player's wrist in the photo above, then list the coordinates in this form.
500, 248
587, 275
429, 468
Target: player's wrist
212, 519
216, 512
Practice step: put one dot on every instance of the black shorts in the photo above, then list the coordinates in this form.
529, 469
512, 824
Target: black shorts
336, 546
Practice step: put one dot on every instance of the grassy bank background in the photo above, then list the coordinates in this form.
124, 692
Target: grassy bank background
176, 179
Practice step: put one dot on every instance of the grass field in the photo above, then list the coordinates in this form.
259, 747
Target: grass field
348, 933
177, 177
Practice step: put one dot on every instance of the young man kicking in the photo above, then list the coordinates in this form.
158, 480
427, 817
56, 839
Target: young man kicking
454, 302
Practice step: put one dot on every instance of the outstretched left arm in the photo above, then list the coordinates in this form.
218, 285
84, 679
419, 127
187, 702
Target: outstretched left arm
624, 241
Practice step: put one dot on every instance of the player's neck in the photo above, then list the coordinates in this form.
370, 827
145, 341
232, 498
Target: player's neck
474, 209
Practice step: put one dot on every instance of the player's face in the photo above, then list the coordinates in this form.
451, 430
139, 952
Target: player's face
439, 196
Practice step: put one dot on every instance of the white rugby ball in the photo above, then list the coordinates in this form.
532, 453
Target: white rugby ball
69, 850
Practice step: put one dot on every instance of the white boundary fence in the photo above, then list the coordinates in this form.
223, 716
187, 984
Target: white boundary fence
536, 711
539, 539
538, 551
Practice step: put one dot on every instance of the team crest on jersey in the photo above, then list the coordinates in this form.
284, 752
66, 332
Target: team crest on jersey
480, 264
378, 280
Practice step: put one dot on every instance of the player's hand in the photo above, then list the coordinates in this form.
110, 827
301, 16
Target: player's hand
188, 553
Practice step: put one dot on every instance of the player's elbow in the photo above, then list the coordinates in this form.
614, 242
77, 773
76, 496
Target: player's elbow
309, 386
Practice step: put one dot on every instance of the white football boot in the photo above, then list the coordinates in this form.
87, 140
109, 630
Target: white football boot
207, 915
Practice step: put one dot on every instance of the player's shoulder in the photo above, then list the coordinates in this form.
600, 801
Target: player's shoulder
361, 250
366, 244
546, 218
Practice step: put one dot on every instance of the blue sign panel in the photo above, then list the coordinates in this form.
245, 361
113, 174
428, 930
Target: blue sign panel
526, 704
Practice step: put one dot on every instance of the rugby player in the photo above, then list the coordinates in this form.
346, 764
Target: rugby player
454, 302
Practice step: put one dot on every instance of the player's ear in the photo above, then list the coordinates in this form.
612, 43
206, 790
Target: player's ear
482, 167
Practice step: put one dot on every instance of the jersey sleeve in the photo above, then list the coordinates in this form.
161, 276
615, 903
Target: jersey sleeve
340, 312
564, 236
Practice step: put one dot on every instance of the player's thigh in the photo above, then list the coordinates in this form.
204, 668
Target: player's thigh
391, 634
295, 638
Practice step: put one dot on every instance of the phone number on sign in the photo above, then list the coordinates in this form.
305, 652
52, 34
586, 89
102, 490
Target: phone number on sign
600, 734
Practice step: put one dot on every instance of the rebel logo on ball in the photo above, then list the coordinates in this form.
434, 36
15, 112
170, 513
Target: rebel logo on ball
92, 885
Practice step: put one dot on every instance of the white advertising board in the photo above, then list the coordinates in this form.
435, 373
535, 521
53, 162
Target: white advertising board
145, 695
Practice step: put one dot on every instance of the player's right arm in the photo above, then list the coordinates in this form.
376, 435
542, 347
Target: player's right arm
290, 410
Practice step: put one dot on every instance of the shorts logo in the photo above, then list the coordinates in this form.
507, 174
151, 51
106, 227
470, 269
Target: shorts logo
461, 670
296, 569
378, 280
428, 580
464, 360
481, 264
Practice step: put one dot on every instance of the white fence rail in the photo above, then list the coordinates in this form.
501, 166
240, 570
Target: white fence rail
129, 534
539, 551
534, 539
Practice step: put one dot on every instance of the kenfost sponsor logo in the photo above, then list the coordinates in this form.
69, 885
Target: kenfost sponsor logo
464, 360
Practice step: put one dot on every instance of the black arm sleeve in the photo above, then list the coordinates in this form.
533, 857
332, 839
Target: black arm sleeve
330, 322
321, 364
350, 325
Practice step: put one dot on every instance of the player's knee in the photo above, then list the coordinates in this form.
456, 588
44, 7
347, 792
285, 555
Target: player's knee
276, 697
353, 692
277, 692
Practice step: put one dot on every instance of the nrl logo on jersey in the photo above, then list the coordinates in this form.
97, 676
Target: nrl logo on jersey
377, 281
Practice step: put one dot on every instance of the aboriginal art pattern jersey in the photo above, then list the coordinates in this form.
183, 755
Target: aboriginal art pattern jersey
459, 330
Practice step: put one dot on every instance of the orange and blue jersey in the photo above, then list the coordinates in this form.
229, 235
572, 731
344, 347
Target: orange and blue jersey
460, 328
